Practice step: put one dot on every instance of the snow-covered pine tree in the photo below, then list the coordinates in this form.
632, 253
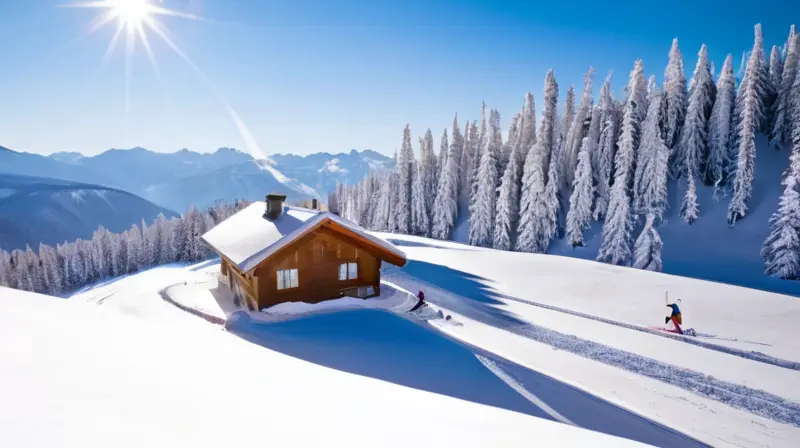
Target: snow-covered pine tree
763, 82
533, 213
750, 114
445, 208
694, 138
606, 148
527, 132
781, 249
556, 200
652, 161
773, 85
480, 145
380, 218
430, 170
647, 249
569, 114
51, 280
496, 144
514, 134
615, 242
467, 176
577, 131
5, 268
580, 201
676, 103
507, 216
444, 148
391, 224
197, 227
405, 166
22, 277
781, 130
760, 75
366, 191
135, 256
35, 269
420, 225
481, 224
456, 150
180, 241
718, 164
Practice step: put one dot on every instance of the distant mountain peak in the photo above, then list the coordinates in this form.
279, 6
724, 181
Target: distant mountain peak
67, 156
227, 149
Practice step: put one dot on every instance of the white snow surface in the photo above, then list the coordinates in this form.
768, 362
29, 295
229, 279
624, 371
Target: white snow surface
75, 374
573, 319
247, 238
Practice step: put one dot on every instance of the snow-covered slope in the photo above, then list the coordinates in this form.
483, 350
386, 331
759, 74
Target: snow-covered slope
707, 249
75, 374
35, 210
587, 323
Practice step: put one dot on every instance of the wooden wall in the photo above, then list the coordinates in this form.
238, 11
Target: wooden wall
317, 256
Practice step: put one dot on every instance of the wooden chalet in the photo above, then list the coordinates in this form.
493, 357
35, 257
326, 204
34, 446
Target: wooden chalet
273, 253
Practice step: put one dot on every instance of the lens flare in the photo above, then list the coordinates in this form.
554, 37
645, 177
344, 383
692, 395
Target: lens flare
135, 19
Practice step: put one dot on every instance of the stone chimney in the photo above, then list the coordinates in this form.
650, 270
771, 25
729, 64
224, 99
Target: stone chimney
314, 205
274, 206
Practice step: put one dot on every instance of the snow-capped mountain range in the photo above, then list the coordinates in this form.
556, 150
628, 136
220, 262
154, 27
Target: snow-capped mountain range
186, 178
36, 210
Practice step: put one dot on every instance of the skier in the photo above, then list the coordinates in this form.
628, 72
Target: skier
420, 303
675, 316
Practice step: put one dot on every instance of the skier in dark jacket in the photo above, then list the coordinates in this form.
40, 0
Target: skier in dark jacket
420, 302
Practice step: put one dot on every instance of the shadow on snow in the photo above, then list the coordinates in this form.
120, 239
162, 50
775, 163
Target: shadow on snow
383, 346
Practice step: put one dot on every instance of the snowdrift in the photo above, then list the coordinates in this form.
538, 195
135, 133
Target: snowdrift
102, 379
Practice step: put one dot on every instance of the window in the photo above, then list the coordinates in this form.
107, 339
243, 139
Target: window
348, 271
287, 278
366, 291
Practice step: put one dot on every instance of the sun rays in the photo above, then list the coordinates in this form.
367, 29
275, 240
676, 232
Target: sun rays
136, 21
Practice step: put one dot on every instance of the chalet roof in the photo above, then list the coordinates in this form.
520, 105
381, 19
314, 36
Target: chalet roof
248, 238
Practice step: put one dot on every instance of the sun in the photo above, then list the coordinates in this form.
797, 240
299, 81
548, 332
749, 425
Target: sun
136, 20
131, 12
133, 17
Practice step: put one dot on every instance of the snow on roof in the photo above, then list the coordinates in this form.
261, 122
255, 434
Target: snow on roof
247, 238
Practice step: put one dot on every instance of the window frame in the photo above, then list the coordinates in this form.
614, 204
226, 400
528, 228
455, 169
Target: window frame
287, 279
348, 271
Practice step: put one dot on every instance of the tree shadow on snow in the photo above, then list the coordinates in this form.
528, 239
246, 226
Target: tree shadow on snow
456, 290
384, 346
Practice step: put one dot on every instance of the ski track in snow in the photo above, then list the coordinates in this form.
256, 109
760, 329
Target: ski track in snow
751, 355
514, 384
755, 401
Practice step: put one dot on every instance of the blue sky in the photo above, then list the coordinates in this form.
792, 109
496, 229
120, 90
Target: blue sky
314, 75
